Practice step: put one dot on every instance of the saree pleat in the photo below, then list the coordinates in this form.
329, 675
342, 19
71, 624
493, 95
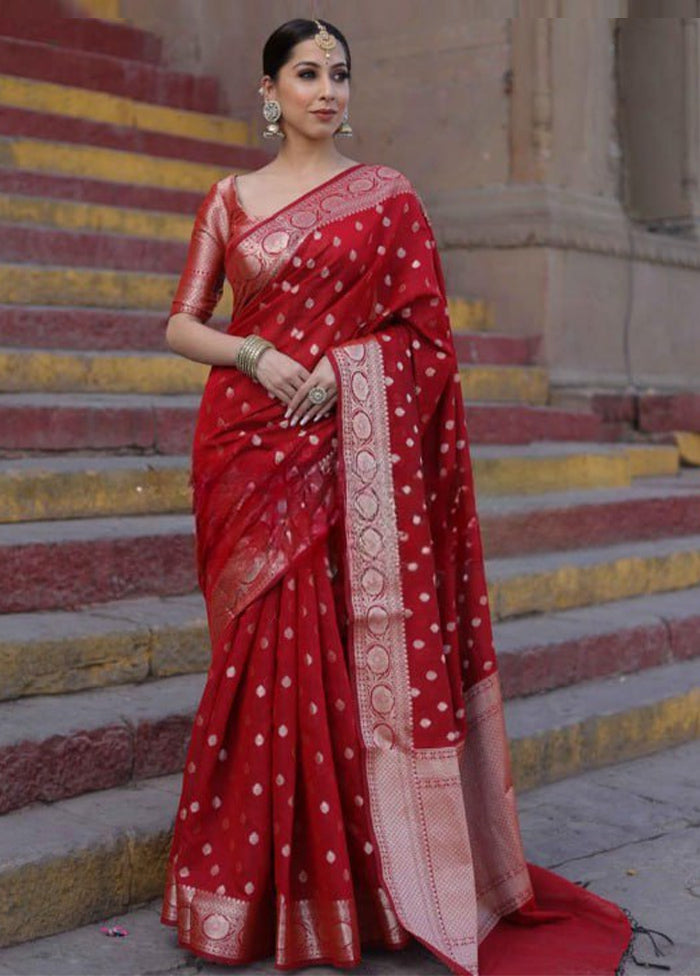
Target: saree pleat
295, 803
348, 781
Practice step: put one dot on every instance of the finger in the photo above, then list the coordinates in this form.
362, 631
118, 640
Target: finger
327, 407
297, 399
314, 411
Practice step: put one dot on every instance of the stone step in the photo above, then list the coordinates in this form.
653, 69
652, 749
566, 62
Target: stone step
471, 314
514, 384
497, 349
127, 640
81, 859
74, 562
650, 509
521, 423
57, 746
164, 424
105, 73
549, 582
649, 411
46, 21
70, 563
61, 158
70, 215
89, 249
77, 137
27, 182
94, 329
121, 112
559, 649
55, 651
50, 422
36, 370
21, 284
102, 372
544, 467
71, 486
75, 486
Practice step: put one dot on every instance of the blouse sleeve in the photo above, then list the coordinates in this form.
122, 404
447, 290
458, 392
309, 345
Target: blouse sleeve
202, 281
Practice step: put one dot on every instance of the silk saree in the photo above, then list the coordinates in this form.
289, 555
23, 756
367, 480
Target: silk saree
348, 782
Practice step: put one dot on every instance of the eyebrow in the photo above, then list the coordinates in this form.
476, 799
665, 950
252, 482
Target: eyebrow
315, 64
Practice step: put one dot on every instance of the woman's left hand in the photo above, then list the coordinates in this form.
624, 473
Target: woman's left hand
300, 408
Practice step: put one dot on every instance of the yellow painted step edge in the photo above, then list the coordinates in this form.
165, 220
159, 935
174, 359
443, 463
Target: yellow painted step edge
505, 384
96, 106
470, 314
75, 215
24, 284
111, 165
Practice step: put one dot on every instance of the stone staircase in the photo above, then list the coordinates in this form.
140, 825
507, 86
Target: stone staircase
593, 542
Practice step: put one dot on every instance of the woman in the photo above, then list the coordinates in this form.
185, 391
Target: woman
348, 779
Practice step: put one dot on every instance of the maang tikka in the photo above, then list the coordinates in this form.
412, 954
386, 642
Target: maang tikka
327, 42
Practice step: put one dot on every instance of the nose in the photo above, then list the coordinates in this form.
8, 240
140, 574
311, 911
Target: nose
327, 87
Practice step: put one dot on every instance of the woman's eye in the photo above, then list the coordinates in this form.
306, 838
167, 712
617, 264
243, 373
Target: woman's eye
307, 74
342, 76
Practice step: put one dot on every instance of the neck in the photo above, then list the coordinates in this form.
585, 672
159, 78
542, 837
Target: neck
304, 156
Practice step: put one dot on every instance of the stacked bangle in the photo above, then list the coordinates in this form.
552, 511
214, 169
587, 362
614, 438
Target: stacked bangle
249, 352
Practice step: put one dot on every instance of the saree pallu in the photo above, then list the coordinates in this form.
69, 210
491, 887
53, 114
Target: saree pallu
348, 781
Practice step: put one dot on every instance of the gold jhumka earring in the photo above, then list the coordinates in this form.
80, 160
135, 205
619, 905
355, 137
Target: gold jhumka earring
273, 113
326, 41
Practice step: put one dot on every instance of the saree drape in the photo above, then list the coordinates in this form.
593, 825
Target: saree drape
348, 781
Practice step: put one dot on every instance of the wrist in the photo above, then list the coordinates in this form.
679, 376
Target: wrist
249, 353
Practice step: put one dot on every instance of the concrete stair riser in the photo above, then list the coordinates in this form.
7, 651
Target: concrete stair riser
98, 163
470, 314
158, 428
523, 424
71, 573
135, 640
85, 189
498, 350
88, 834
647, 411
117, 76
585, 523
79, 137
122, 111
89, 249
93, 329
60, 427
50, 489
49, 24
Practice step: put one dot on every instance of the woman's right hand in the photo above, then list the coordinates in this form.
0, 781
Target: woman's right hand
280, 374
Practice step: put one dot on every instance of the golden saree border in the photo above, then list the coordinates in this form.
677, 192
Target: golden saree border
308, 930
420, 808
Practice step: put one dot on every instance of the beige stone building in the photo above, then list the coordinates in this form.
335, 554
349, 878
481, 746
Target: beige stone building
554, 142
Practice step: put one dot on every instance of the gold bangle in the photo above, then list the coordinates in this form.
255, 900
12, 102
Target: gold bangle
249, 352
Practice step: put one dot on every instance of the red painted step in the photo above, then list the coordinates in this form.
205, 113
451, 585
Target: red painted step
105, 73
491, 423
652, 509
27, 183
538, 654
49, 422
506, 350
51, 22
21, 244
45, 125
71, 563
138, 424
97, 329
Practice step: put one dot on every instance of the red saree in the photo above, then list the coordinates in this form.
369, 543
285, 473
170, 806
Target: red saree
348, 778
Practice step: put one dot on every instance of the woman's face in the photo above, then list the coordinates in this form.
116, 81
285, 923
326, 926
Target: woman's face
313, 93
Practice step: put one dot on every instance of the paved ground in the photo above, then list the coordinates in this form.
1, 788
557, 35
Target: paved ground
632, 831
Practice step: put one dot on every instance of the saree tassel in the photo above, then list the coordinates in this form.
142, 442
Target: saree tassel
637, 930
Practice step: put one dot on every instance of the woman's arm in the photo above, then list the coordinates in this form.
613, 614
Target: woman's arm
189, 337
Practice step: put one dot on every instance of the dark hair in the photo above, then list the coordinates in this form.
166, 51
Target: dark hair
279, 44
